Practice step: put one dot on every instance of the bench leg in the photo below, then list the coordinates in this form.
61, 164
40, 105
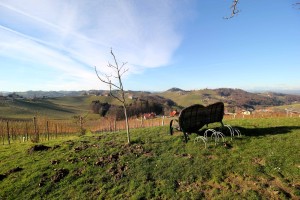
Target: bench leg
171, 127
185, 137
222, 124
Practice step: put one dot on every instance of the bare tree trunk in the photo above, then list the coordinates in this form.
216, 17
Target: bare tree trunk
127, 124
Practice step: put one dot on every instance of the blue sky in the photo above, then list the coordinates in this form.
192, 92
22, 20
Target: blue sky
55, 44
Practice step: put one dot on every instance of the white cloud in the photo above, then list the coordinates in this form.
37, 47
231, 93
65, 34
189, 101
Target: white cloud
74, 36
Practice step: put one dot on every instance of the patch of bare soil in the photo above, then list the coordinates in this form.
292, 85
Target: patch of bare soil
80, 148
43, 180
11, 171
272, 188
72, 160
259, 161
111, 144
59, 175
2, 176
285, 190
227, 145
17, 169
85, 159
136, 149
55, 162
85, 146
38, 147
79, 171
104, 160
117, 171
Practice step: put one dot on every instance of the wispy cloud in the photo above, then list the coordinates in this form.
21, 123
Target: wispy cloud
73, 36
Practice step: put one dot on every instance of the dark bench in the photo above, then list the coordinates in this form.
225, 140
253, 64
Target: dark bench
191, 119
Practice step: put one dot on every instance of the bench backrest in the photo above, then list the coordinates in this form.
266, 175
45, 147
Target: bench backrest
194, 117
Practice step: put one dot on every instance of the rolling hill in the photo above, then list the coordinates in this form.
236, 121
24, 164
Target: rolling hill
231, 97
65, 105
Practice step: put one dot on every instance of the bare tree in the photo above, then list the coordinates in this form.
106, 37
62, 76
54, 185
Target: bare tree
234, 9
118, 71
296, 5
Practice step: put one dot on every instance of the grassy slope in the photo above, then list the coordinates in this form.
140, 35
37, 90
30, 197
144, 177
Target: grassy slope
57, 108
27, 109
263, 163
295, 106
190, 97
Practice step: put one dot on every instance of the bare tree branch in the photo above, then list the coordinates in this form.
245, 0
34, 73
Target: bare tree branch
234, 9
124, 71
124, 63
296, 5
108, 82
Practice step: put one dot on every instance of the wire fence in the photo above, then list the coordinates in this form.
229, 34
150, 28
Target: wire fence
43, 129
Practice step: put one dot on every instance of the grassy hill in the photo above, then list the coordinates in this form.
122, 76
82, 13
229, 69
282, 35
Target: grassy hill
63, 107
54, 108
263, 164
187, 98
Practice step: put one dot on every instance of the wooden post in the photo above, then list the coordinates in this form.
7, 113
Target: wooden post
47, 129
35, 129
110, 129
141, 121
81, 124
26, 131
55, 130
100, 126
8, 136
2, 133
115, 125
12, 131
163, 121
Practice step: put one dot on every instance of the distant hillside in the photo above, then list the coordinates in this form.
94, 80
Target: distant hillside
87, 103
175, 90
292, 92
53, 94
231, 97
65, 105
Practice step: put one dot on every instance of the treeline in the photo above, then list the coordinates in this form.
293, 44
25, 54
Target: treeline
150, 104
243, 99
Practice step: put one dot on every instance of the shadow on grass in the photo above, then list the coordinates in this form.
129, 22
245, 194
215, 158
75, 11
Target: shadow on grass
41, 105
265, 131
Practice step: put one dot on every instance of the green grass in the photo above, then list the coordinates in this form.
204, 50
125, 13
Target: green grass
262, 164
294, 106
53, 108
192, 97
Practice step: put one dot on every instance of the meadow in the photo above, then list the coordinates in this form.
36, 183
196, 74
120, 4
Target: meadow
263, 163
